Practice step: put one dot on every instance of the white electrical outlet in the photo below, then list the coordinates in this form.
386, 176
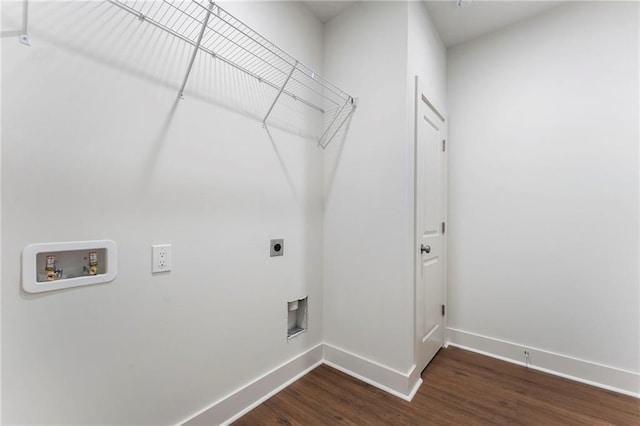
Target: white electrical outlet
161, 258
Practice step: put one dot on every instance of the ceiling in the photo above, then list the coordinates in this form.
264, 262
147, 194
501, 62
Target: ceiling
456, 24
327, 9
459, 24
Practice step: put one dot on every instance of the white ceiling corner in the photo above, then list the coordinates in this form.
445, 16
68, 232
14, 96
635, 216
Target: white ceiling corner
326, 10
457, 24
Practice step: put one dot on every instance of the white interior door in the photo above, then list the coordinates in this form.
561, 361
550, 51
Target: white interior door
430, 212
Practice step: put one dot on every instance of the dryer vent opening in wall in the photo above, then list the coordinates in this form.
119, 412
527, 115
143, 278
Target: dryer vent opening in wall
296, 317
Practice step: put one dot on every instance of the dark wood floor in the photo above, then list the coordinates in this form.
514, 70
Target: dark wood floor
460, 387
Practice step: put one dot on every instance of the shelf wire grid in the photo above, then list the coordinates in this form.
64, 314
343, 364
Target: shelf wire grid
226, 38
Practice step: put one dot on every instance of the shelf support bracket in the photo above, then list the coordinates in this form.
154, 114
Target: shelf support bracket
335, 117
24, 34
196, 48
264, 122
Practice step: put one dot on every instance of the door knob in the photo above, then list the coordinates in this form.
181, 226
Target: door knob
425, 249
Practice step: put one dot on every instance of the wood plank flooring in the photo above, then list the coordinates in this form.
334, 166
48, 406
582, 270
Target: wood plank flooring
460, 388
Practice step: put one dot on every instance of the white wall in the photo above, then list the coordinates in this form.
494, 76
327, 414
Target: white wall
427, 57
0, 226
93, 146
544, 184
375, 49
366, 290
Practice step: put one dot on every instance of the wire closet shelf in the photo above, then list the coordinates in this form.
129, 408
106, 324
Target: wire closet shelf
212, 30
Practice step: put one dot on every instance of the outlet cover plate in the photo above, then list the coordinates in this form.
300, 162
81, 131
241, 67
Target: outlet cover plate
160, 258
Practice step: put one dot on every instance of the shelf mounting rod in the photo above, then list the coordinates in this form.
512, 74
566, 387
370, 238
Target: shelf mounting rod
24, 34
335, 117
196, 48
264, 122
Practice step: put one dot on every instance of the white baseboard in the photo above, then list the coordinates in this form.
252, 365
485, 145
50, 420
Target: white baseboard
240, 402
405, 385
400, 384
602, 376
